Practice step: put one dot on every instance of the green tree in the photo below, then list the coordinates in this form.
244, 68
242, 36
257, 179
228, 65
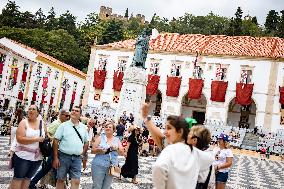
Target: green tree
280, 27
40, 18
67, 22
271, 22
51, 22
238, 21
27, 20
113, 31
11, 16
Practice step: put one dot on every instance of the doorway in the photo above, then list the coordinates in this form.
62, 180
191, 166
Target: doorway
199, 117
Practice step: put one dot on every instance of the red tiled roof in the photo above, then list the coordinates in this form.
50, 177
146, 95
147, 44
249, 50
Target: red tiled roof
50, 58
271, 47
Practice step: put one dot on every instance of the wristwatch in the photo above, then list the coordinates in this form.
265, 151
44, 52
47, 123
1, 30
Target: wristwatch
149, 117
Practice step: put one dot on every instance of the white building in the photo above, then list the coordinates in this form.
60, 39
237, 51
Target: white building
29, 76
244, 60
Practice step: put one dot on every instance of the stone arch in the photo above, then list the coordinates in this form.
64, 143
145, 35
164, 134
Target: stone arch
238, 115
195, 108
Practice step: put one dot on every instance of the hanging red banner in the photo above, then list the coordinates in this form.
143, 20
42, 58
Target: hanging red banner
51, 100
281, 95
117, 80
195, 88
1, 67
15, 76
153, 83
63, 95
73, 96
34, 96
20, 95
43, 98
44, 82
173, 85
244, 93
218, 91
24, 76
99, 79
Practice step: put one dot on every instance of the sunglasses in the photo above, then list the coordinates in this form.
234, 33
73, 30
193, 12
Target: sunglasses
66, 115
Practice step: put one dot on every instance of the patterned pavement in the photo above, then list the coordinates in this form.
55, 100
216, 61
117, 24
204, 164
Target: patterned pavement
246, 173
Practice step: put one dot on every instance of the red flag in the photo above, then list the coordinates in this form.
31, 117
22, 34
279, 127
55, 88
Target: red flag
1, 67
173, 86
34, 96
244, 93
51, 100
20, 95
218, 91
73, 96
24, 76
117, 80
44, 82
153, 83
15, 76
281, 95
195, 88
99, 79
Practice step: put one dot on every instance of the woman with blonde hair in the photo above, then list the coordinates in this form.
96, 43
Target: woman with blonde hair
200, 137
107, 148
223, 162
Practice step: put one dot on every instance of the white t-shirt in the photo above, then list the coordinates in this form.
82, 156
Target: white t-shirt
222, 156
177, 167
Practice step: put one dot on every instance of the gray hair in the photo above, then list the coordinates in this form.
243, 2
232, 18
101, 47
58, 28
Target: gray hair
63, 111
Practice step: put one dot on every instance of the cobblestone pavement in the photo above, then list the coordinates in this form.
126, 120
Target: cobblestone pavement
247, 172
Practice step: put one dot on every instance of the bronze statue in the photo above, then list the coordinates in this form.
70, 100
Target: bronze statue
141, 50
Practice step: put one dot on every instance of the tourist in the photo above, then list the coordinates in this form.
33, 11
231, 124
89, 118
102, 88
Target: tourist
223, 162
130, 167
131, 118
200, 137
178, 165
107, 148
27, 157
70, 142
124, 116
14, 123
51, 129
120, 129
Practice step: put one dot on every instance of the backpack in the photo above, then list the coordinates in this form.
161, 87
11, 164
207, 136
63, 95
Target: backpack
45, 146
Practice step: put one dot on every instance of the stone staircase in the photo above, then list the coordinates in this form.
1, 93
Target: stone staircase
250, 141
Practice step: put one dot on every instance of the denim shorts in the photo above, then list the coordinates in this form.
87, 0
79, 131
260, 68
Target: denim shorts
24, 169
222, 177
69, 164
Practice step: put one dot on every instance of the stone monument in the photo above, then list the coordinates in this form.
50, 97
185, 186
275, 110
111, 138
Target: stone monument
133, 92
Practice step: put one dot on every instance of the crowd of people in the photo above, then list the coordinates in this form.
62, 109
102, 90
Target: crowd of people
184, 159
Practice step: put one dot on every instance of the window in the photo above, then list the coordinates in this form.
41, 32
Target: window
154, 67
221, 73
121, 66
246, 76
176, 69
197, 72
102, 62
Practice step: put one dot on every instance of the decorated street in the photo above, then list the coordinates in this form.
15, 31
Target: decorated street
247, 172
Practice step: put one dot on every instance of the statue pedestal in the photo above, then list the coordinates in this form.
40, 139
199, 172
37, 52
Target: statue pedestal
133, 93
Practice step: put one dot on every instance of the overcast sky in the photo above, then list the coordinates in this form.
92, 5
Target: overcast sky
163, 8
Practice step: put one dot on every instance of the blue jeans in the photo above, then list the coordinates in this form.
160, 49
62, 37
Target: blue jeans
42, 172
69, 164
222, 177
24, 169
101, 178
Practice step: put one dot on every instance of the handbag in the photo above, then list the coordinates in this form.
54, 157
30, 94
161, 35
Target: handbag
45, 146
114, 170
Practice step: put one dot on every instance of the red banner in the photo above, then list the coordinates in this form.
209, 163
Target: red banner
24, 76
153, 83
20, 95
173, 85
281, 95
195, 88
117, 80
44, 82
244, 93
15, 76
42, 99
99, 79
1, 67
51, 100
63, 95
34, 96
73, 96
218, 91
